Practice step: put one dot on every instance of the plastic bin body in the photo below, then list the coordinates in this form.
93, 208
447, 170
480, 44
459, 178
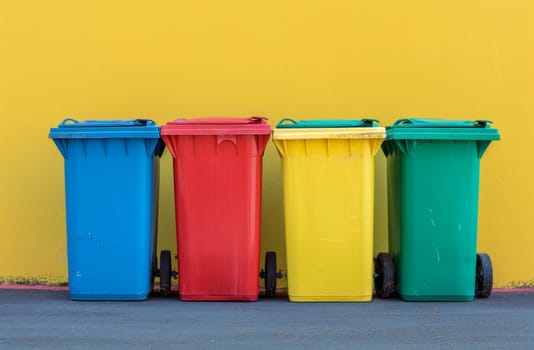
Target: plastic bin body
433, 183
328, 181
217, 184
111, 191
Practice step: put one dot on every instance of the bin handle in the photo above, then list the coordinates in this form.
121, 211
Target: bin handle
403, 121
140, 121
67, 120
258, 119
364, 122
143, 122
293, 121
369, 122
483, 123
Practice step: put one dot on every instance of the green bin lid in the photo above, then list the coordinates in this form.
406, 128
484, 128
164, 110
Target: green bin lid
442, 129
326, 123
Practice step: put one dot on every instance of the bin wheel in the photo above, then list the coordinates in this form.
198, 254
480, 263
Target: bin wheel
165, 272
270, 274
384, 276
484, 276
154, 272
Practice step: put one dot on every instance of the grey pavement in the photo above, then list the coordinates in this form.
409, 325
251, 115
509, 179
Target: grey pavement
37, 319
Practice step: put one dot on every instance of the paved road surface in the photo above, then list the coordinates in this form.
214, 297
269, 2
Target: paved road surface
41, 319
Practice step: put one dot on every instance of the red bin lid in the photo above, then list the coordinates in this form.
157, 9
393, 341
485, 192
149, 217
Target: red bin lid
217, 126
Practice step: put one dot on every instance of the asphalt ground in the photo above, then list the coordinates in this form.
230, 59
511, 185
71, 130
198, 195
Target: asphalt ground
47, 319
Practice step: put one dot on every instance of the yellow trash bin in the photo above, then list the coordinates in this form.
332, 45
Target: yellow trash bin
328, 180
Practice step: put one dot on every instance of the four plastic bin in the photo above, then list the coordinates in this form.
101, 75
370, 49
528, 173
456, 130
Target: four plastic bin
328, 180
217, 184
111, 190
433, 183
111, 187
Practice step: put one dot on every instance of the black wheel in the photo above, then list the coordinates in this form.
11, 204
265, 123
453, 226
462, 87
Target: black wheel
270, 274
484, 276
165, 272
154, 272
384, 276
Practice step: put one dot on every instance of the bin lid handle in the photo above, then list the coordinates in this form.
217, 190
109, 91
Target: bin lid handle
293, 121
67, 120
143, 122
258, 119
369, 122
219, 121
107, 123
364, 122
403, 121
483, 123
480, 123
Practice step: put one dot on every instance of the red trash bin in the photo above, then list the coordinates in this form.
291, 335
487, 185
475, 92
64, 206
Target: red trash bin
217, 190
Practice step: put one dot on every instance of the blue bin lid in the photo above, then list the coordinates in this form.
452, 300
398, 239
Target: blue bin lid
130, 128
442, 129
326, 123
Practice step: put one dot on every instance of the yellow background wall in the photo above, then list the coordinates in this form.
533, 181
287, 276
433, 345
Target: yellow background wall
303, 59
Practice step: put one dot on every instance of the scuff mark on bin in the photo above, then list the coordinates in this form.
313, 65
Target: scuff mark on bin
437, 251
333, 240
93, 238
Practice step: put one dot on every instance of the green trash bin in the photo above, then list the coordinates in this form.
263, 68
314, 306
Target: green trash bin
433, 182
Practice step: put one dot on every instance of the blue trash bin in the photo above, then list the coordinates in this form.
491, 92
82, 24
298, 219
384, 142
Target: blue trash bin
111, 195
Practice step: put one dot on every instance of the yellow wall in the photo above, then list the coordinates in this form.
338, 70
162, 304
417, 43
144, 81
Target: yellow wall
302, 59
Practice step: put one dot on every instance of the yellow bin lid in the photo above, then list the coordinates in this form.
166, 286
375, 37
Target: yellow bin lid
289, 129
